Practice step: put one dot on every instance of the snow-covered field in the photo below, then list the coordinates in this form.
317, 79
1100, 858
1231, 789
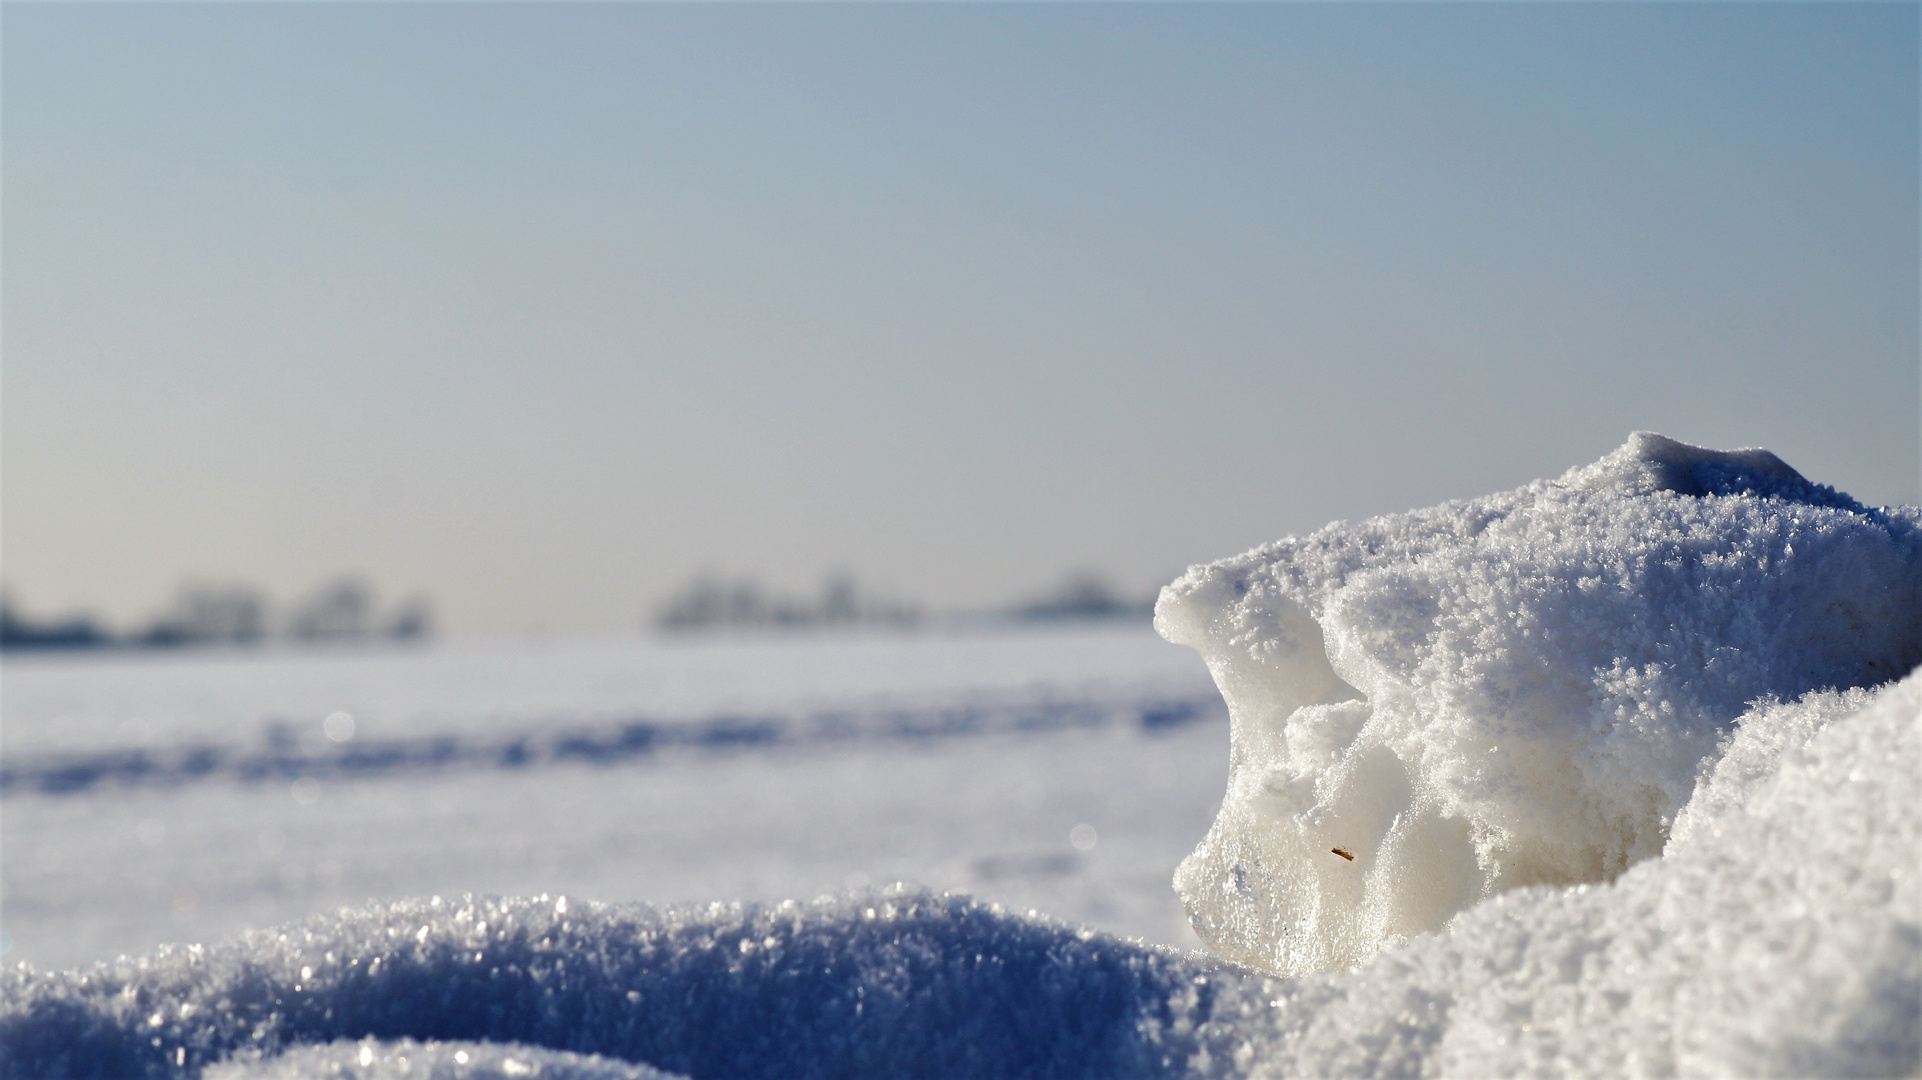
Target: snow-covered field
183, 798
1615, 774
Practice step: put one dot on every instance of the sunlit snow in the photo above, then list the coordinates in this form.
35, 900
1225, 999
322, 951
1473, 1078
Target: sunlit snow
1514, 690
1626, 762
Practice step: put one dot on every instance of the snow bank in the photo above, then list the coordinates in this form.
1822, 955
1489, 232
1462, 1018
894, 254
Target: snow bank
879, 985
1514, 690
1781, 936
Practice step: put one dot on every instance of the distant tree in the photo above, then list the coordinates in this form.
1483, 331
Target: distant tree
840, 600
203, 613
341, 610
707, 603
412, 620
1082, 595
74, 632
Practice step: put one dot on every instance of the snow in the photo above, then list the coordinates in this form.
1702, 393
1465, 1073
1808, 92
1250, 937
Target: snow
1781, 937
1514, 690
1629, 788
891, 983
960, 761
374, 1059
494, 693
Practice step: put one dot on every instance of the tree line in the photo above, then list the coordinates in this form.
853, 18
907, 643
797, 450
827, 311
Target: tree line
344, 609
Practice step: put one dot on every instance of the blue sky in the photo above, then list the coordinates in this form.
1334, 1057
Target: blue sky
542, 309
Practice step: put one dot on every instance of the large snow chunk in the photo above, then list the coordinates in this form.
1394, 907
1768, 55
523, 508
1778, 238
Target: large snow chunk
1781, 937
1514, 690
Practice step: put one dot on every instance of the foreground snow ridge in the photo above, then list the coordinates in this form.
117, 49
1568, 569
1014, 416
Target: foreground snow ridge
1433, 708
1623, 793
900, 983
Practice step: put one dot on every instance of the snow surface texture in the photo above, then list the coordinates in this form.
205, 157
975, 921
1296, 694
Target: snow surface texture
888, 984
179, 797
1781, 935
1514, 690
372, 1059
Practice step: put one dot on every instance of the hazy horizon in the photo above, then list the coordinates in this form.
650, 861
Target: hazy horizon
543, 310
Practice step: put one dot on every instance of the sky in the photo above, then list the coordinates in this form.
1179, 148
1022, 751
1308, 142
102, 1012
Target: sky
544, 309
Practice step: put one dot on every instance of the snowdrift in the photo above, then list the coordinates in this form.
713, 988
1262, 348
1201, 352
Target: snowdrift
1432, 708
897, 984
1619, 797
1780, 935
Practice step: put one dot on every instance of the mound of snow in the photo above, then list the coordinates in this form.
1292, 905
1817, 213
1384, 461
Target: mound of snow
1782, 936
1514, 690
878, 985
